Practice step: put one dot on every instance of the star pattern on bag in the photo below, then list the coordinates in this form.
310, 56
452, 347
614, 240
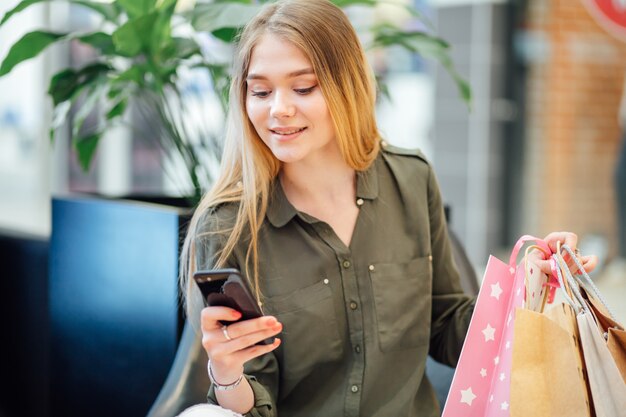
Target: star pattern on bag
496, 290
467, 396
489, 333
482, 385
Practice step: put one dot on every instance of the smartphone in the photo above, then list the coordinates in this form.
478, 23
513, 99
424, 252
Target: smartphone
228, 288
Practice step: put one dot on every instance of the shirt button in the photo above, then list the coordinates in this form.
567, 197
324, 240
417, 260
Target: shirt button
326, 281
384, 144
357, 349
346, 264
359, 202
354, 389
371, 267
430, 258
354, 305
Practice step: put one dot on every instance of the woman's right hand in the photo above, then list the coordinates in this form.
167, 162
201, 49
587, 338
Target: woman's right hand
228, 356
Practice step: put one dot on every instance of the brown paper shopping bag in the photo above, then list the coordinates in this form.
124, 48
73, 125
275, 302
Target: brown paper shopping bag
547, 377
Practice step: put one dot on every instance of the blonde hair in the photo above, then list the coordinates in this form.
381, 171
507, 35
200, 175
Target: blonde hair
324, 34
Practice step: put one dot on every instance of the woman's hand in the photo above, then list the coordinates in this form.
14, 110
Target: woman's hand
230, 347
588, 262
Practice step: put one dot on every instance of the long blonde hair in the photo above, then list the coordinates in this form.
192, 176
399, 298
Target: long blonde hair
324, 34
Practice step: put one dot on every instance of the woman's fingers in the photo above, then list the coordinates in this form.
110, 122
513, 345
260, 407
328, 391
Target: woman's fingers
210, 317
566, 238
222, 342
244, 341
589, 262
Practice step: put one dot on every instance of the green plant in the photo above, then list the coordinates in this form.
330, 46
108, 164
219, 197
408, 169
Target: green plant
143, 47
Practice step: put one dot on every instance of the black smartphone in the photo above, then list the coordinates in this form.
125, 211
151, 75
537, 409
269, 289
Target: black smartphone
228, 288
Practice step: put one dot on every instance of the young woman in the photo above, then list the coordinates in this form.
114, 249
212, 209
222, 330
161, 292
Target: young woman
342, 236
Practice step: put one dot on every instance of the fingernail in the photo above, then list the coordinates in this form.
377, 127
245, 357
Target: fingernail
277, 341
277, 327
236, 314
271, 321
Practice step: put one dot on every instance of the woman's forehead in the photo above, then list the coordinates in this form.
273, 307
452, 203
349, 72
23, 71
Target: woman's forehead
276, 56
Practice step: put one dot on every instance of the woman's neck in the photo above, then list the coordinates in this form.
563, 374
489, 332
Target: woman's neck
309, 182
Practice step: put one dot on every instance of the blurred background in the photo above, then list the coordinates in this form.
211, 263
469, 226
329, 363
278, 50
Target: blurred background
538, 152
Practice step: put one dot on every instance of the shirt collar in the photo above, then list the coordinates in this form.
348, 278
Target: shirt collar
280, 211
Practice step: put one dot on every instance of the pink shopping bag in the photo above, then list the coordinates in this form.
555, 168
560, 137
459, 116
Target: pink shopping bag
482, 380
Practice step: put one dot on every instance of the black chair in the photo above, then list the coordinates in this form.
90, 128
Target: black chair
187, 382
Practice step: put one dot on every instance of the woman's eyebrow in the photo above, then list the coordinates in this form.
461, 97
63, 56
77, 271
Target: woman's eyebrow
293, 74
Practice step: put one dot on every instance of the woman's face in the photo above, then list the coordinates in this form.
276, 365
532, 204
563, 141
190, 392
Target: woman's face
285, 103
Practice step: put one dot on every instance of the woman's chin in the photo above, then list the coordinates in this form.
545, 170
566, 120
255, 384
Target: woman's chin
288, 157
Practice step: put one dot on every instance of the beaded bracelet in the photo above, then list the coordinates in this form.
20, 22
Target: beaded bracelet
220, 387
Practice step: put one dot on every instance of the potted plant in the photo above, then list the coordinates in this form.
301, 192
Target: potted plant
113, 295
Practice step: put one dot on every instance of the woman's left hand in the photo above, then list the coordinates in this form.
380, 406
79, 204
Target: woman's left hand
588, 262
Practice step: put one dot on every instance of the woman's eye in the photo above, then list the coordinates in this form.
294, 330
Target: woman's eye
304, 91
261, 94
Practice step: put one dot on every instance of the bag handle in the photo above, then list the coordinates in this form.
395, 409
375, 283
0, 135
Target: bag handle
539, 243
527, 278
587, 278
556, 267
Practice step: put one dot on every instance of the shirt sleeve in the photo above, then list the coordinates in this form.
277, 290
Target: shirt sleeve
262, 375
451, 308
262, 372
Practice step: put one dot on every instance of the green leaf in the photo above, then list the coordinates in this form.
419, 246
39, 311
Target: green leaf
93, 95
386, 35
86, 149
66, 84
29, 46
162, 30
137, 8
134, 74
429, 46
226, 34
21, 6
60, 116
209, 17
181, 48
133, 37
110, 11
118, 109
166, 4
99, 40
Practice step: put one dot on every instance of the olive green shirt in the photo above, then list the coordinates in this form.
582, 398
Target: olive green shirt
358, 321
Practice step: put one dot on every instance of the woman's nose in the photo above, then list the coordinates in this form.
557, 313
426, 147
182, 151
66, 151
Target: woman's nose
282, 106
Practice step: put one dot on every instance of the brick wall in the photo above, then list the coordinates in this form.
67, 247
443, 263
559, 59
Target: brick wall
574, 89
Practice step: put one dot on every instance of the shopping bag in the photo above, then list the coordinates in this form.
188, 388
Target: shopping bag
547, 370
481, 383
613, 332
608, 389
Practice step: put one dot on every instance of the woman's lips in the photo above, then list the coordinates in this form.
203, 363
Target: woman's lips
285, 134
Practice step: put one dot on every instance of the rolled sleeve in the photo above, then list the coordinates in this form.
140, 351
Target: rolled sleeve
263, 403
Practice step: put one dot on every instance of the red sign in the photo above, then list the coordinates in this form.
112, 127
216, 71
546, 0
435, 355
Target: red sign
611, 14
